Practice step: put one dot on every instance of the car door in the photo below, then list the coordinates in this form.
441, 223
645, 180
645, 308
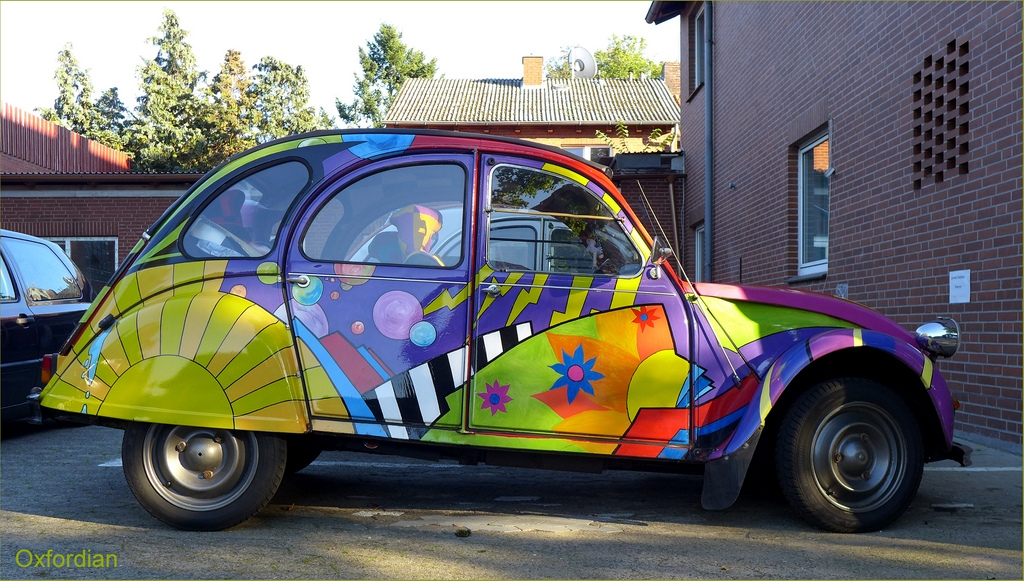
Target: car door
379, 312
42, 302
576, 336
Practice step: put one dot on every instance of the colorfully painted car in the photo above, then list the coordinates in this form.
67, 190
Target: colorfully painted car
453, 295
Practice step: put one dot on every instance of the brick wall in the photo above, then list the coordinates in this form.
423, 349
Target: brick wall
897, 228
125, 217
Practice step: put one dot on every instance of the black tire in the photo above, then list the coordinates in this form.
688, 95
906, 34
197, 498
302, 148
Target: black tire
849, 455
202, 479
300, 455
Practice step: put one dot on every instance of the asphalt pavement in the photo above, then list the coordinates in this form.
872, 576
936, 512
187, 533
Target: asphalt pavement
66, 512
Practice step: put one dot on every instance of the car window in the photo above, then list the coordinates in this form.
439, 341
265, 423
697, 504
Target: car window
244, 219
6, 283
402, 215
45, 275
547, 222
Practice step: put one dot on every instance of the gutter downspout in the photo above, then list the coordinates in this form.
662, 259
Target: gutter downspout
709, 146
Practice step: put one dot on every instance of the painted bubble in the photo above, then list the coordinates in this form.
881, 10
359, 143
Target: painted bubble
268, 272
312, 316
358, 327
352, 275
395, 312
309, 294
422, 334
238, 289
335, 295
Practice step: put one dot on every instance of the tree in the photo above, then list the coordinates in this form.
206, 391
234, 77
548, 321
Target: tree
386, 64
173, 119
181, 122
654, 143
624, 56
232, 109
102, 121
109, 120
73, 105
281, 93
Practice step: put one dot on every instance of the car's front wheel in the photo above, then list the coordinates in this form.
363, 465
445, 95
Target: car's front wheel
849, 455
201, 478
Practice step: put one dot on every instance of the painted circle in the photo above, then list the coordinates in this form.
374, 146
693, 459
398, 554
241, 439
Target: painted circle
395, 312
335, 295
575, 373
267, 272
309, 294
495, 399
238, 290
422, 334
358, 327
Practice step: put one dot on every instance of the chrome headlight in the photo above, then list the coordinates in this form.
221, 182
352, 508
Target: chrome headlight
941, 337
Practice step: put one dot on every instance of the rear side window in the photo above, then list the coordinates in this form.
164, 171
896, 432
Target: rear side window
46, 276
546, 222
243, 220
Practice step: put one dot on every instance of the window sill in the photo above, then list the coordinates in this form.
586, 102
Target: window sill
693, 93
807, 277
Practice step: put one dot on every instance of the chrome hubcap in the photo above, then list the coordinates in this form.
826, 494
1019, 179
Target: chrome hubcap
858, 456
199, 468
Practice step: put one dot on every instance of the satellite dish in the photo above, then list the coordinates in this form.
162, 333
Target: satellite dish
582, 63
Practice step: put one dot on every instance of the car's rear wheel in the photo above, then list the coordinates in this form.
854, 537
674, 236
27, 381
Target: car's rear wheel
201, 478
849, 455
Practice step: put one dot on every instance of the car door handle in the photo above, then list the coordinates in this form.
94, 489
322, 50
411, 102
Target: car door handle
25, 320
493, 290
299, 279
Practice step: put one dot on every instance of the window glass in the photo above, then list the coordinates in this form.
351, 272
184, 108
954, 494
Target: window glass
814, 199
97, 257
244, 219
698, 48
6, 284
47, 278
547, 222
405, 215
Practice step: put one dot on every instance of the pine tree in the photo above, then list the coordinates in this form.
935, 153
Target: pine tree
386, 64
281, 94
72, 109
173, 119
232, 110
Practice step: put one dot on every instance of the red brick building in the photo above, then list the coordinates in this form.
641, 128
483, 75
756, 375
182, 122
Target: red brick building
58, 185
870, 150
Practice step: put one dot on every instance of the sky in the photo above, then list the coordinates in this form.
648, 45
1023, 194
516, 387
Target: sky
482, 39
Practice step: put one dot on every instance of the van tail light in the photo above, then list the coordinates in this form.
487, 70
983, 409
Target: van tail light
49, 367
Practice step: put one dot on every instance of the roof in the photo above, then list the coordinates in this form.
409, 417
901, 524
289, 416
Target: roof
663, 11
30, 144
507, 101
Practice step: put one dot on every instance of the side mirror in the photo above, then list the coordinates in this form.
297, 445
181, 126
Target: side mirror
660, 252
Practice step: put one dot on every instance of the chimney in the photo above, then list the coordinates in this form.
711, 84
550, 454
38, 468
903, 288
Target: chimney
671, 74
533, 71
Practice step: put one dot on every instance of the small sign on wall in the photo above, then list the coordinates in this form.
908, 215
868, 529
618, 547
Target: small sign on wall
960, 286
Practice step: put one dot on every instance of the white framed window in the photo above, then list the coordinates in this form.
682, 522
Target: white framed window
813, 191
592, 152
698, 254
96, 256
697, 48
